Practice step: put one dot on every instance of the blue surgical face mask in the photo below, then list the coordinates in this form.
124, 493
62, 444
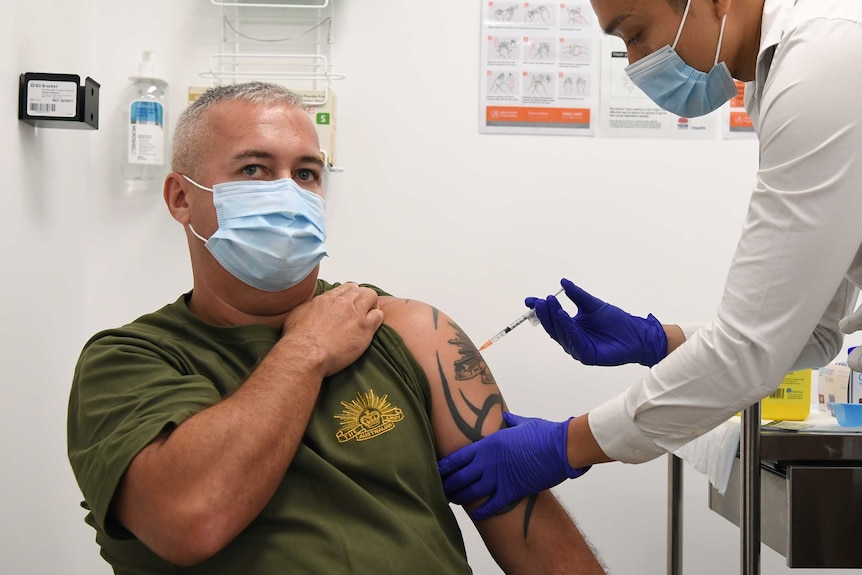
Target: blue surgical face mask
679, 88
270, 233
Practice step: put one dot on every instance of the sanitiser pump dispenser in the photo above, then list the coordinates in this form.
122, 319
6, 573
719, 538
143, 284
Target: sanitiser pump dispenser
145, 127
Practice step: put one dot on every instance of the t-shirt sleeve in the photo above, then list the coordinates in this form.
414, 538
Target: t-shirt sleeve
125, 392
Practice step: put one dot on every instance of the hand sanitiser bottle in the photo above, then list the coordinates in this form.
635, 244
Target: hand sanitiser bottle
144, 112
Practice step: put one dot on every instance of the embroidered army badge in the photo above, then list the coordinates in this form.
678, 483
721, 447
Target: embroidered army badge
367, 417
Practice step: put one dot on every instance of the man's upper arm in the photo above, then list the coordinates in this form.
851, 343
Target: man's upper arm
534, 535
466, 402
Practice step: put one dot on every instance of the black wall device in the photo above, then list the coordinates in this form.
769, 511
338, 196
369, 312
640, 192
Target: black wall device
58, 101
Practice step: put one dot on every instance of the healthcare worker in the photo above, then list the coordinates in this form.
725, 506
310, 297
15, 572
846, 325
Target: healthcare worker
787, 289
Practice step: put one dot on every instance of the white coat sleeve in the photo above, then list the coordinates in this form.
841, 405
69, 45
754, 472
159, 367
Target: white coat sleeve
786, 280
825, 343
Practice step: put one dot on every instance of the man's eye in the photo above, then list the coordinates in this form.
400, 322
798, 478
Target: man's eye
305, 175
251, 170
633, 40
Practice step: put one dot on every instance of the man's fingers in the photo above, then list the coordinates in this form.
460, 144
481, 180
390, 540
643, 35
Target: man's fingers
365, 300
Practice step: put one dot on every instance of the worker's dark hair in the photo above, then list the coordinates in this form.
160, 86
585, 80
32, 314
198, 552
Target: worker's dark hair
677, 5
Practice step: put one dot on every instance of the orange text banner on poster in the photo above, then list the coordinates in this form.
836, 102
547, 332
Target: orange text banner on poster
500, 114
740, 121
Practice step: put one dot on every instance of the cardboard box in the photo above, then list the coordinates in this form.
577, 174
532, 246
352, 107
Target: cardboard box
855, 387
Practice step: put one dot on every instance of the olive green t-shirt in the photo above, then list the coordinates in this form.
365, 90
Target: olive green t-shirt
362, 494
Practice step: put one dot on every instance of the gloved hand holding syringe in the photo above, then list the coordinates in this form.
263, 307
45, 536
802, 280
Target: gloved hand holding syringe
529, 315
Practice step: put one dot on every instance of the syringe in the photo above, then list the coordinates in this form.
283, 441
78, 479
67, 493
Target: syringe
530, 315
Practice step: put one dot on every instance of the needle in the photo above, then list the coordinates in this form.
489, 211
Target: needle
529, 315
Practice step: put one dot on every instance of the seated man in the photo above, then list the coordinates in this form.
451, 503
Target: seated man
269, 422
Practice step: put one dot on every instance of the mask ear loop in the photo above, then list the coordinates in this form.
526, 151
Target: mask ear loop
191, 227
197, 235
196, 184
720, 37
681, 24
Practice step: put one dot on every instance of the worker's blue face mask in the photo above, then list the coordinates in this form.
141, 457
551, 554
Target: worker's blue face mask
270, 233
679, 88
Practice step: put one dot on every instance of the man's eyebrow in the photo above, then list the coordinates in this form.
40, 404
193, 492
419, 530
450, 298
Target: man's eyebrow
317, 160
257, 154
615, 23
252, 154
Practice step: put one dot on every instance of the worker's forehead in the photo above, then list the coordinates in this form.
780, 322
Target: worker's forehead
612, 13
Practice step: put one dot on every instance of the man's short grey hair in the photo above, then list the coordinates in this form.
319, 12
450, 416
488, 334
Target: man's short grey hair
191, 126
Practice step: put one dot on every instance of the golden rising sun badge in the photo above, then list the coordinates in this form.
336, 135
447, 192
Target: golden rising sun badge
367, 417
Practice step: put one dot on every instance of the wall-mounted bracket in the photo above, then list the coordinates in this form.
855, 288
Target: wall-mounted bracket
58, 101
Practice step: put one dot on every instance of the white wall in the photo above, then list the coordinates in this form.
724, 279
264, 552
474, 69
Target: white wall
427, 208
77, 256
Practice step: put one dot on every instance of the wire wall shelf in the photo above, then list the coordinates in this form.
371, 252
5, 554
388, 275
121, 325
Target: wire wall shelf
287, 43
313, 71
274, 4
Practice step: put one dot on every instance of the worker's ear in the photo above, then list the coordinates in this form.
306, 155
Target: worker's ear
176, 198
722, 7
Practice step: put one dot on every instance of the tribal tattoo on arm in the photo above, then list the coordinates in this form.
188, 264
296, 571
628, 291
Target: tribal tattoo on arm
470, 367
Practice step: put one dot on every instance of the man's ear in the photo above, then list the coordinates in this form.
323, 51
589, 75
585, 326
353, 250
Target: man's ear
176, 199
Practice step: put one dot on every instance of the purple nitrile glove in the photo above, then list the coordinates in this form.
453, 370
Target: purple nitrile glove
600, 333
527, 457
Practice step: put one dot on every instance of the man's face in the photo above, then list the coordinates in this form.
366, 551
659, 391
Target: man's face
247, 141
648, 25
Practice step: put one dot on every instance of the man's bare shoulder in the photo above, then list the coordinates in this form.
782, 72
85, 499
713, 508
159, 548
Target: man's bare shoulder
414, 320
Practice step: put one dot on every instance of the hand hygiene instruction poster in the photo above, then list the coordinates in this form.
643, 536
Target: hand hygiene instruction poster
539, 68
626, 111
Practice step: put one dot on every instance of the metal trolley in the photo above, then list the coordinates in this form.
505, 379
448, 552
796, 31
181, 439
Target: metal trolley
799, 493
